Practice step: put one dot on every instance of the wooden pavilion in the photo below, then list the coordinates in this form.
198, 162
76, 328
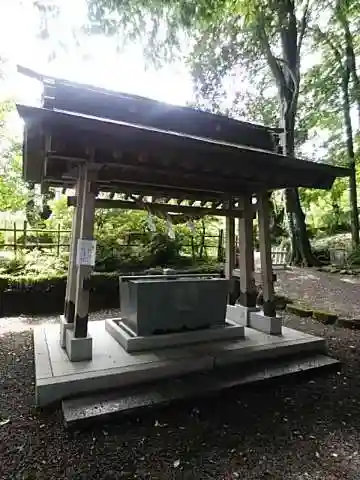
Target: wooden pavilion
161, 158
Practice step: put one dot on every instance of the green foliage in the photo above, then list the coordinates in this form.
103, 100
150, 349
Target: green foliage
163, 250
124, 242
13, 192
34, 262
354, 257
36, 283
11, 265
38, 239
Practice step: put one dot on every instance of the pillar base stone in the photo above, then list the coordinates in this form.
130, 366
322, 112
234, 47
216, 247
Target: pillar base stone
263, 323
64, 325
78, 349
240, 314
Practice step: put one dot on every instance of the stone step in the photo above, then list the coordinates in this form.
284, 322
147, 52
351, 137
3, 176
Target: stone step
103, 406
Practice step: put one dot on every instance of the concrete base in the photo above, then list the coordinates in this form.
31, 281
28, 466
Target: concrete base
270, 325
64, 325
240, 314
78, 349
133, 343
111, 366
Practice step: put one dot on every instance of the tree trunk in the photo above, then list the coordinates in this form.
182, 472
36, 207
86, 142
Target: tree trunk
350, 150
288, 79
301, 253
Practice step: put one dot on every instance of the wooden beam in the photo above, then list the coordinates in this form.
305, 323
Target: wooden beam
155, 191
246, 255
69, 310
230, 253
221, 180
161, 207
84, 271
265, 254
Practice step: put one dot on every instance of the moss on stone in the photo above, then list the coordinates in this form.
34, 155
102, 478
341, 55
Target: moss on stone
299, 310
324, 317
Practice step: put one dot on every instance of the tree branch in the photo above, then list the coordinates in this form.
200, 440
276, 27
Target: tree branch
265, 44
303, 25
325, 38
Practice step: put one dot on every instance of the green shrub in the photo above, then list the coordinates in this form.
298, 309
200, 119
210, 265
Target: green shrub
162, 250
34, 262
144, 252
354, 257
11, 264
41, 238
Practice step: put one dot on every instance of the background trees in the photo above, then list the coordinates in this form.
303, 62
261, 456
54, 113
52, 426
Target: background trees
286, 63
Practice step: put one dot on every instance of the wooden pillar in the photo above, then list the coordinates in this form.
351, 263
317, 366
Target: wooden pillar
265, 254
83, 273
246, 253
69, 309
230, 254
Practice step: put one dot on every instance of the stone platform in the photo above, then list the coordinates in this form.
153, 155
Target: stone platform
110, 405
133, 343
111, 366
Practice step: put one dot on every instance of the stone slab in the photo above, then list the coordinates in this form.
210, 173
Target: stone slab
240, 314
101, 407
270, 325
111, 366
131, 343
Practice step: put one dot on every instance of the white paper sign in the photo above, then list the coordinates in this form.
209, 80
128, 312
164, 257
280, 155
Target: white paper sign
86, 252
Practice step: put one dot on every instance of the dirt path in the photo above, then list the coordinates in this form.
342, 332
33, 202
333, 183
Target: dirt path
308, 429
325, 291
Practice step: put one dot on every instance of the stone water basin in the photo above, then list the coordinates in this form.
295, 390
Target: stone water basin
159, 304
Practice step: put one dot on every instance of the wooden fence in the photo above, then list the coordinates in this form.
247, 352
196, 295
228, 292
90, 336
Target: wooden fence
31, 238
25, 238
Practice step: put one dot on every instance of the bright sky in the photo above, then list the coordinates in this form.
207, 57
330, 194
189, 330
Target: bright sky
95, 61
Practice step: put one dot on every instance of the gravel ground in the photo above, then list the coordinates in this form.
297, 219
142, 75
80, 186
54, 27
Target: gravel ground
303, 429
326, 291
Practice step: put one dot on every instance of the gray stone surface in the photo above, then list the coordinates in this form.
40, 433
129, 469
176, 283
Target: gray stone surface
78, 349
164, 305
240, 314
263, 323
131, 343
64, 325
111, 366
